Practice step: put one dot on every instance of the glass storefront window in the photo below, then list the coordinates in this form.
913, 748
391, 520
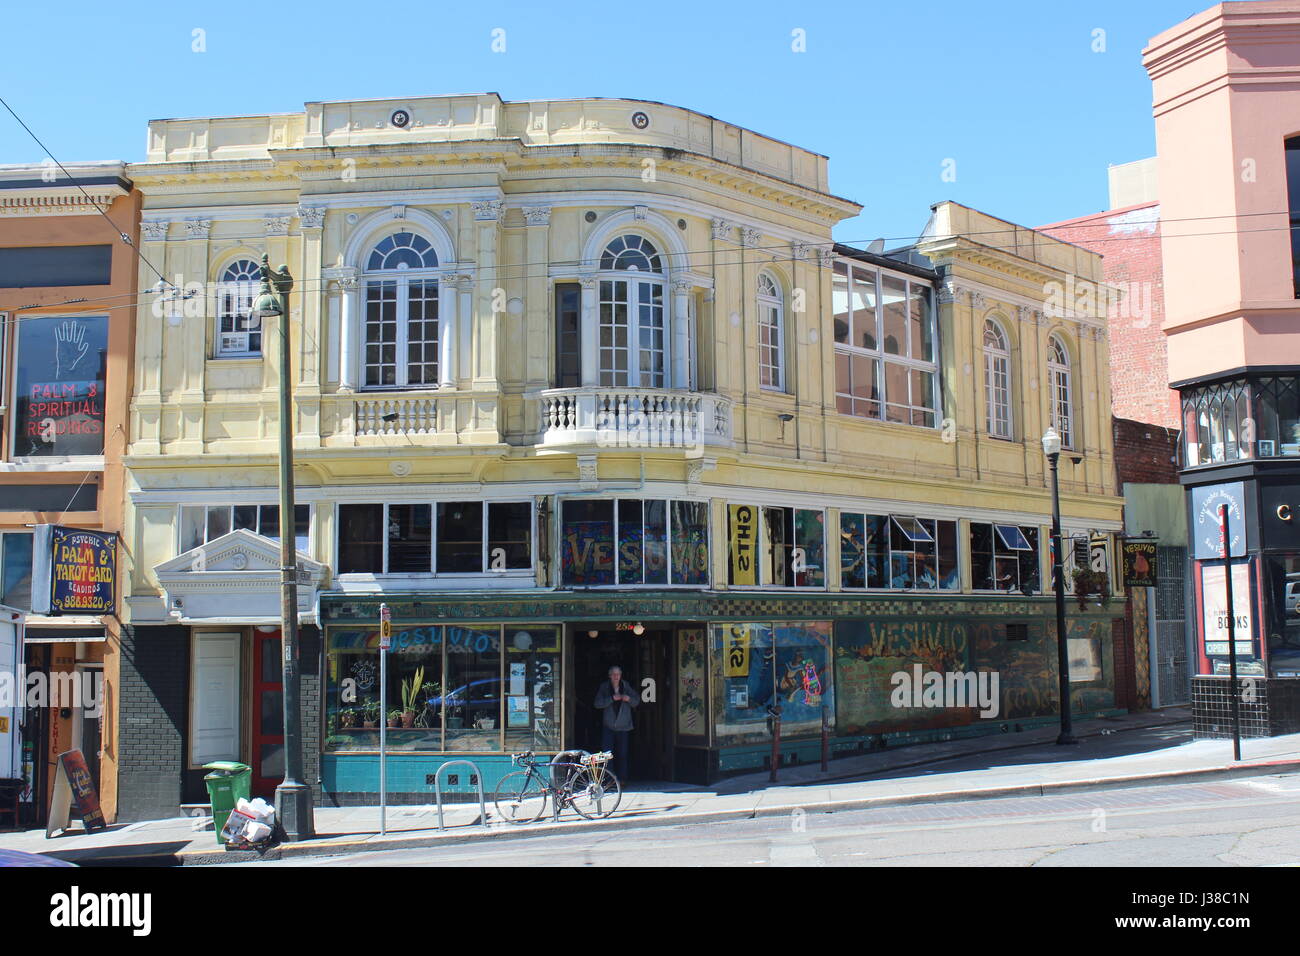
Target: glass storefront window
1004, 557
776, 547
760, 665
468, 696
1281, 609
532, 689
16, 569
690, 546
898, 552
472, 694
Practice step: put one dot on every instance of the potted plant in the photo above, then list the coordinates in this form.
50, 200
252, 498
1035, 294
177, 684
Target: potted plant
370, 713
347, 718
1088, 582
410, 697
394, 718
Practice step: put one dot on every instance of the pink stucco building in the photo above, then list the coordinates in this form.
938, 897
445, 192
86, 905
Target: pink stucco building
1226, 100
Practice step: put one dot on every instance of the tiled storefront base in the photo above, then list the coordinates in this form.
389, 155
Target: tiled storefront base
1270, 707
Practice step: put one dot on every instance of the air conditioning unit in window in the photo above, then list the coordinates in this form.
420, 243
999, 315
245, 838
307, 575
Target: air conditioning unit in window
234, 341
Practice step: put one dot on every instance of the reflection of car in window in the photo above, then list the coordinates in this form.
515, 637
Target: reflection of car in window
470, 702
1292, 595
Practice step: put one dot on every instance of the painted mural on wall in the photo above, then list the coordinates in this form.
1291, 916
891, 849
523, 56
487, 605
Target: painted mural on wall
761, 665
868, 655
690, 683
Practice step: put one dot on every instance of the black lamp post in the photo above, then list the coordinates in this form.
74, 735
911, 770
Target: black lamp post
293, 805
1052, 446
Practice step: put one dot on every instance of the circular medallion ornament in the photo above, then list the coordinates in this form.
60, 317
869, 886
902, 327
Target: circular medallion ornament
239, 560
640, 120
590, 217
400, 469
400, 118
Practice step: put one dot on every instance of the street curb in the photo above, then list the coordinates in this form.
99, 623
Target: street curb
326, 847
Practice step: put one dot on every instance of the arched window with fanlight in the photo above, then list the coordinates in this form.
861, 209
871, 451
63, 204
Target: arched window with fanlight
771, 334
238, 332
632, 331
997, 380
1060, 390
400, 324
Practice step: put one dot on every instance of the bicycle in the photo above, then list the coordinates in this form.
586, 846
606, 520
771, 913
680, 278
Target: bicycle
589, 786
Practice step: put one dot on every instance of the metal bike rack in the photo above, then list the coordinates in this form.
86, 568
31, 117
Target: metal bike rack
478, 776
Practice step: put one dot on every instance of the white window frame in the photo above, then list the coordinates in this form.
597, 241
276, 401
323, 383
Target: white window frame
1060, 395
484, 556
241, 292
633, 280
403, 276
765, 536
997, 382
771, 334
230, 508
669, 527
883, 358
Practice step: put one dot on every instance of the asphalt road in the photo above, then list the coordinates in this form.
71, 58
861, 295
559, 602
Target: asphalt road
1248, 822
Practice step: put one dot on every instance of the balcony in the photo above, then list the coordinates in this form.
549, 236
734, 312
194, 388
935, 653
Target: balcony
619, 417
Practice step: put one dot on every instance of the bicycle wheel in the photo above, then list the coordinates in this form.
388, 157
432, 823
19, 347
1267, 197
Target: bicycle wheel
596, 792
521, 797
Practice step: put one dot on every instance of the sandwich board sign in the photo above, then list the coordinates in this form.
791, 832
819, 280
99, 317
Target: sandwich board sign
73, 785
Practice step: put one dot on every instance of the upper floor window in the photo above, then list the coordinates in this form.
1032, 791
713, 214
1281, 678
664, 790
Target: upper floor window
60, 372
997, 380
401, 313
776, 546
885, 358
1060, 389
655, 541
632, 330
239, 332
451, 537
16, 569
898, 552
1217, 419
1004, 557
1293, 205
771, 334
203, 523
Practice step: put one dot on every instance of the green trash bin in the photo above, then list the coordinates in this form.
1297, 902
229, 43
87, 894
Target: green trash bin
228, 781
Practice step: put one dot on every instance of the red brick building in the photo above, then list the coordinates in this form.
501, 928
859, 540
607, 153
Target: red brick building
1146, 421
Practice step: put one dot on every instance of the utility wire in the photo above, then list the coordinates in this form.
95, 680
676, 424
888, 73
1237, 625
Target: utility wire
125, 237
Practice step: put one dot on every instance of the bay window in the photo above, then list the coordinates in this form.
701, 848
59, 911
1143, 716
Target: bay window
885, 356
634, 541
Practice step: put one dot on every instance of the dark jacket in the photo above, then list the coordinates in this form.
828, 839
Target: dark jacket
617, 713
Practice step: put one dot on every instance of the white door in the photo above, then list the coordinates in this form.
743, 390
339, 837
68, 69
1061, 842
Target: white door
11, 686
214, 697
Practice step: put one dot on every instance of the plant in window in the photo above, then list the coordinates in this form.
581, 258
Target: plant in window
394, 718
1088, 582
347, 718
370, 713
411, 696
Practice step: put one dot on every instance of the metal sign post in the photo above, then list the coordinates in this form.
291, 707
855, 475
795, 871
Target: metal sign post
1226, 551
385, 642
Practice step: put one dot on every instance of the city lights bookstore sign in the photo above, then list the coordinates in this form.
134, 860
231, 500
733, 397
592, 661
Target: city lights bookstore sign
73, 571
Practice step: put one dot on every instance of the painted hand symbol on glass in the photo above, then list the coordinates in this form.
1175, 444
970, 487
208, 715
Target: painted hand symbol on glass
70, 346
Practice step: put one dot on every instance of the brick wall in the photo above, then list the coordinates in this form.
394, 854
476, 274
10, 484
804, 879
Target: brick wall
1129, 243
152, 721
1145, 454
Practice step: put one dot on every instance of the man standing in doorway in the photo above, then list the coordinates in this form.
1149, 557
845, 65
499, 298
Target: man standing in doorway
615, 700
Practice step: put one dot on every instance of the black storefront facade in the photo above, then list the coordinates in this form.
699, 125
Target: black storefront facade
1241, 444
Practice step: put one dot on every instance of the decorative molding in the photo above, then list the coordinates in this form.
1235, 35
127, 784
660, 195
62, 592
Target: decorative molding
682, 286
641, 212
588, 282
949, 290
750, 237
721, 228
977, 300
826, 256
537, 215
276, 225
154, 230
587, 479
197, 228
399, 210
799, 250
311, 217
487, 210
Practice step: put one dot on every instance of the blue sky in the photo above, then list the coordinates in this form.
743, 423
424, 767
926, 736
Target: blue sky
1009, 95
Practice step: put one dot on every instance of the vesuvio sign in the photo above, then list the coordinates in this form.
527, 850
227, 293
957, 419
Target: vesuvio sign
73, 571
59, 388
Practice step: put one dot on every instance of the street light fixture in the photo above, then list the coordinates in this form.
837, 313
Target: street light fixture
293, 804
1052, 448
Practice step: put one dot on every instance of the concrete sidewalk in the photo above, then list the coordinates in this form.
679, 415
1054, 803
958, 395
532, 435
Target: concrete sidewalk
1131, 750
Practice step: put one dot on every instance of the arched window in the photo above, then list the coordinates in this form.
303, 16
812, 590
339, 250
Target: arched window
632, 347
401, 314
771, 334
238, 333
997, 380
1060, 390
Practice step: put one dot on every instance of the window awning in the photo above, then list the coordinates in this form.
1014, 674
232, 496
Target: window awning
911, 529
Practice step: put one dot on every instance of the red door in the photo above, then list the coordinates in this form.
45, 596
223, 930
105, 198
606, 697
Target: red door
268, 713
